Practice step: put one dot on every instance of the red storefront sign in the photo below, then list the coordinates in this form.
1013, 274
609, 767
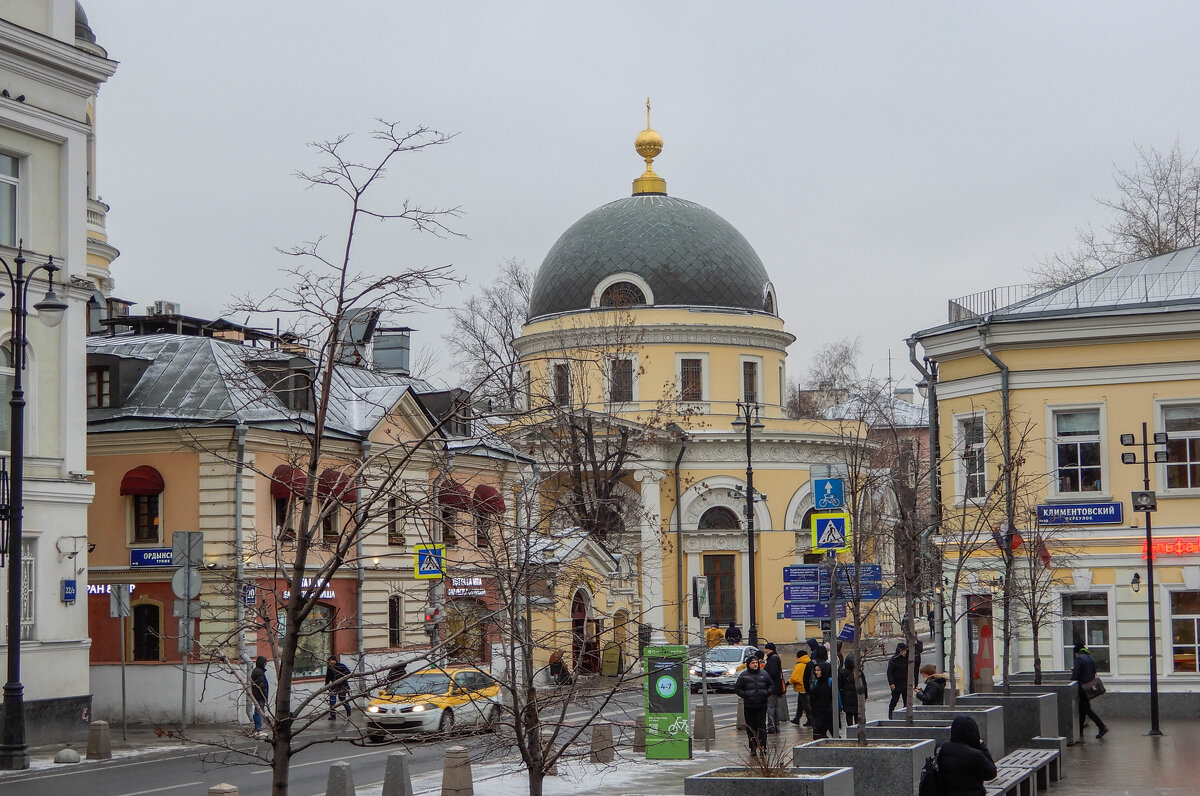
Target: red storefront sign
1179, 546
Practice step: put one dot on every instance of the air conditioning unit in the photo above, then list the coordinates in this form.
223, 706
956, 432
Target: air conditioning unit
166, 308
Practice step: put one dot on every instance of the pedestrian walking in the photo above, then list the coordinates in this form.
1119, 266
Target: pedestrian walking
337, 681
754, 688
796, 681
964, 761
848, 690
260, 689
820, 695
897, 677
934, 690
931, 627
774, 668
714, 635
1083, 672
733, 634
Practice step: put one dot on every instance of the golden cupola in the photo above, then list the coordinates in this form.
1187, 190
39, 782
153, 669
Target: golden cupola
649, 145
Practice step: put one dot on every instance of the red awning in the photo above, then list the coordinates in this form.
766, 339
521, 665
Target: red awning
339, 485
144, 480
454, 495
288, 481
488, 499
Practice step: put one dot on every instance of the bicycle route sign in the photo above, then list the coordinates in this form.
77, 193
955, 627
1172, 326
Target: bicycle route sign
828, 494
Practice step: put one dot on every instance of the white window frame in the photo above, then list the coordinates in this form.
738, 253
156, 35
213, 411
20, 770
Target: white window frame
623, 276
552, 379
527, 387
1052, 491
399, 630
705, 371
960, 461
1160, 424
131, 520
635, 399
1167, 649
758, 378
1060, 654
29, 590
782, 384
21, 205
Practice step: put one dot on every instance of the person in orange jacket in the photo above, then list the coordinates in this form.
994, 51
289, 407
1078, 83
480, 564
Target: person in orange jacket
796, 681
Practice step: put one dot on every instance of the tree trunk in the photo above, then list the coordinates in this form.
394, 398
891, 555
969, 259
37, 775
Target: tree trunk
535, 781
1037, 658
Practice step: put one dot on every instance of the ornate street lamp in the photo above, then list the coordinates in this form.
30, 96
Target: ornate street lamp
748, 419
14, 753
1146, 502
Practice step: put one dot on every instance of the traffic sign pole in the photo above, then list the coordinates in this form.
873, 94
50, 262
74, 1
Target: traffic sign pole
833, 639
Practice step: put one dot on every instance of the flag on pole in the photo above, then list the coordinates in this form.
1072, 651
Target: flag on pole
1043, 552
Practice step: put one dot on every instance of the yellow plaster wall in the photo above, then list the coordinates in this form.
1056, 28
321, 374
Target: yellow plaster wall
108, 512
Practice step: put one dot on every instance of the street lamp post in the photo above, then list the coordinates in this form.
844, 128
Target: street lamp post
1147, 502
14, 753
748, 418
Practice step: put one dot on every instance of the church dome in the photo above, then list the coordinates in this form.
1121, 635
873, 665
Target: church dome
683, 252
83, 31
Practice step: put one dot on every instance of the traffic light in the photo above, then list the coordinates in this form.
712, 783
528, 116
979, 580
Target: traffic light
432, 617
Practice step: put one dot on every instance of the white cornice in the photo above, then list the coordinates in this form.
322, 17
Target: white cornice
1140, 373
644, 334
51, 61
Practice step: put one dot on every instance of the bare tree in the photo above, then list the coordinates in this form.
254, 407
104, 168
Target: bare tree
1156, 210
484, 329
832, 375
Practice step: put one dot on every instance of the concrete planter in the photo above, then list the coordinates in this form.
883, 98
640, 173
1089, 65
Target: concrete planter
879, 767
1067, 695
938, 732
990, 719
738, 780
1026, 716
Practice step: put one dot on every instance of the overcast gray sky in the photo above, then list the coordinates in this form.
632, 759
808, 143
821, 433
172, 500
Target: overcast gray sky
880, 157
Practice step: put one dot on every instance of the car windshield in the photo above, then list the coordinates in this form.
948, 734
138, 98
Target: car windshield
421, 683
725, 655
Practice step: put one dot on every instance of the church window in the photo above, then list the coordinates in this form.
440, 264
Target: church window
718, 518
622, 294
769, 303
562, 384
620, 388
691, 380
750, 382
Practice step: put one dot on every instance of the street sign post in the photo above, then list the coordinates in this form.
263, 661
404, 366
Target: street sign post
668, 735
187, 553
118, 608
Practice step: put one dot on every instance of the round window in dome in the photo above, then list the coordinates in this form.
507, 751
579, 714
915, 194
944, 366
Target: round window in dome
622, 294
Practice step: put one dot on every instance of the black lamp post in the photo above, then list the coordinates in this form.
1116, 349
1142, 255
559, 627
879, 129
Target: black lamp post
14, 753
748, 418
1147, 502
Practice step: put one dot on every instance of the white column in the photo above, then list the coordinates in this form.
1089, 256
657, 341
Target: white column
652, 560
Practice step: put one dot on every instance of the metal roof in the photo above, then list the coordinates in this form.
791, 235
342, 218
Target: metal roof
891, 411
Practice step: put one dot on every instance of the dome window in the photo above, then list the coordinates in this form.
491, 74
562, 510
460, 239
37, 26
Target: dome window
622, 294
769, 300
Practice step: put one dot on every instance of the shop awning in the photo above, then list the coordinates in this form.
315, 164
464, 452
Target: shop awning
339, 485
143, 480
454, 495
288, 482
488, 499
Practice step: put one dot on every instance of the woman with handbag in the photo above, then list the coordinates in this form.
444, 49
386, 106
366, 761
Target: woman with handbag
1084, 674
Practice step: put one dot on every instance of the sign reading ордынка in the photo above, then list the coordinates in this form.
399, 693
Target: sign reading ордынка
1080, 514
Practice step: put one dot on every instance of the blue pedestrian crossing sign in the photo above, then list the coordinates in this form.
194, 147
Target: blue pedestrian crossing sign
831, 532
428, 560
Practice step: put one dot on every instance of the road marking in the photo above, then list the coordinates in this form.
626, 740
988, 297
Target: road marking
106, 767
160, 790
325, 762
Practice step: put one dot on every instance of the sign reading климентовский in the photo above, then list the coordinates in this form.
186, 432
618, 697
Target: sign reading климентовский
1081, 514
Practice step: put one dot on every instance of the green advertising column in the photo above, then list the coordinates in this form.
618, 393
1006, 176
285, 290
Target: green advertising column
667, 730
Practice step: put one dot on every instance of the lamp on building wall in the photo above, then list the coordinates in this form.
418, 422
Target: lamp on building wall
1136, 583
748, 418
1146, 501
14, 753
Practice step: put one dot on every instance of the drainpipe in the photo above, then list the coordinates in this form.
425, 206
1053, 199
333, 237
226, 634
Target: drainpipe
679, 541
1009, 510
928, 371
362, 572
239, 565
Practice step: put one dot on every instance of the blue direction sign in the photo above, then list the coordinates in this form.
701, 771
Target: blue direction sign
828, 494
811, 611
803, 592
810, 582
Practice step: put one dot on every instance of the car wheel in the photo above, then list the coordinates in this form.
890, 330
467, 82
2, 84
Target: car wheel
376, 736
446, 724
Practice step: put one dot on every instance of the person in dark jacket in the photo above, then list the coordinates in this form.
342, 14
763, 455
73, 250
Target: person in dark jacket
848, 690
897, 677
1084, 671
773, 666
337, 680
934, 691
259, 690
965, 763
733, 634
754, 687
820, 695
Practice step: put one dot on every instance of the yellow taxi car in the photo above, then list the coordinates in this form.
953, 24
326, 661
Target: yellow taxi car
436, 699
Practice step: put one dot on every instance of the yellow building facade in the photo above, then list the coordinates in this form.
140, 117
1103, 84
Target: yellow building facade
1082, 369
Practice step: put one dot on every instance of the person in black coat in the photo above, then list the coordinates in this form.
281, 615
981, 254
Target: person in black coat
964, 762
897, 677
820, 695
733, 634
1084, 671
773, 666
934, 692
848, 690
259, 690
754, 688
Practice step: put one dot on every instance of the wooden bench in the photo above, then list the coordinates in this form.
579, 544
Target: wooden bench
1012, 781
1046, 763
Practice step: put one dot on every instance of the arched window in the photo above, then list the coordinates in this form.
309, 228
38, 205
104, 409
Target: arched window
395, 621
769, 303
147, 632
719, 518
143, 485
622, 294
7, 374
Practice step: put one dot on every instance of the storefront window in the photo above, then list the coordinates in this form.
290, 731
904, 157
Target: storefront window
1085, 621
466, 631
1185, 620
316, 640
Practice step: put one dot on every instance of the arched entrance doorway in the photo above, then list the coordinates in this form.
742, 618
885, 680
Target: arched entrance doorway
585, 634
720, 568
